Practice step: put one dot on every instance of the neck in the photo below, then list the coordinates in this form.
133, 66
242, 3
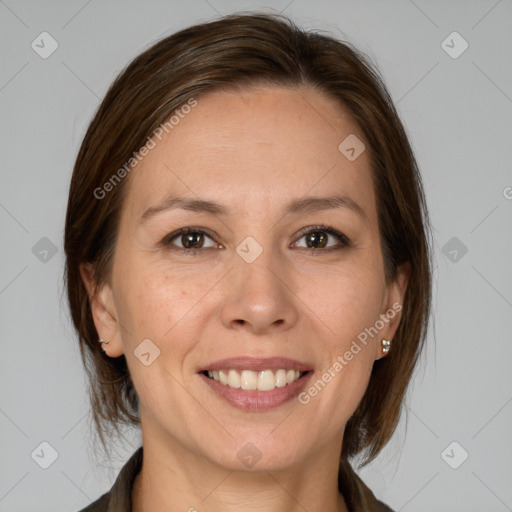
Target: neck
175, 479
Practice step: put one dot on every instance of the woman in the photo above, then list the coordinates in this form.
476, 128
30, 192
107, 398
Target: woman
248, 269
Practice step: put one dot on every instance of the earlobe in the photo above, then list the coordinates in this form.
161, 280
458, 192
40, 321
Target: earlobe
103, 312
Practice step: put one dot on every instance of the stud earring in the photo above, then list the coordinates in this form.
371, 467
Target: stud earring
386, 345
103, 341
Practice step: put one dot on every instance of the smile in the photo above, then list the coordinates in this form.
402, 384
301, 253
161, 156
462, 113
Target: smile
255, 399
265, 380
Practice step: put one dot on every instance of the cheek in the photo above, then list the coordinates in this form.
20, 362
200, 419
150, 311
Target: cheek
347, 299
334, 394
153, 307
162, 304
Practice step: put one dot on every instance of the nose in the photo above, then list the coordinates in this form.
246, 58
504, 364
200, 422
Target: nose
259, 296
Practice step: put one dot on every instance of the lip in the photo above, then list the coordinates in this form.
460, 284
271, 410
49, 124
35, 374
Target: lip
257, 364
254, 400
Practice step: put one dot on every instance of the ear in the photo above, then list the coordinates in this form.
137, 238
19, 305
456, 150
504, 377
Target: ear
103, 311
392, 307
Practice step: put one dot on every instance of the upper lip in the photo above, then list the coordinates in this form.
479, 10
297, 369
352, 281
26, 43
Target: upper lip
257, 364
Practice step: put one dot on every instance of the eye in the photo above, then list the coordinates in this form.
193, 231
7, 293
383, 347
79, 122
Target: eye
317, 238
191, 239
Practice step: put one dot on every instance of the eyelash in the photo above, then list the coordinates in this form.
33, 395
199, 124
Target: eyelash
345, 242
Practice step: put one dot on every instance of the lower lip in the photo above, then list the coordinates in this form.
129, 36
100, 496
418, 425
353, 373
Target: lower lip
254, 400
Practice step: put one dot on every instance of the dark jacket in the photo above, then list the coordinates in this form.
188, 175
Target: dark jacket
358, 496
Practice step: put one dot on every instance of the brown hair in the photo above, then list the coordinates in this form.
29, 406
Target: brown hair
243, 50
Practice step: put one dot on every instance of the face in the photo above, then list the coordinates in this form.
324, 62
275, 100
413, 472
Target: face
253, 280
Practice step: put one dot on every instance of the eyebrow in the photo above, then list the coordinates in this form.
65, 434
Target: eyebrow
309, 204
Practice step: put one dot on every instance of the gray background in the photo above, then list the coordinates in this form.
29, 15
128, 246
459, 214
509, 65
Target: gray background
458, 113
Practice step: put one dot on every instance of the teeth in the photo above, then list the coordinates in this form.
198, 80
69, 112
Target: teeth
280, 378
233, 379
264, 380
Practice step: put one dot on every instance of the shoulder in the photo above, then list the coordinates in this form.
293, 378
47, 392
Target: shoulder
119, 496
358, 496
100, 505
383, 507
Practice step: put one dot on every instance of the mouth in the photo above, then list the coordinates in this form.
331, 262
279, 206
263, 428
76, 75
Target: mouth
249, 380
256, 384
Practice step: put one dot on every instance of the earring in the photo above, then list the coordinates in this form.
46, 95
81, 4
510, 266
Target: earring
106, 343
386, 345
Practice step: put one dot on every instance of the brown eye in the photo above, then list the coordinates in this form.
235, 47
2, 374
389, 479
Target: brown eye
191, 240
318, 237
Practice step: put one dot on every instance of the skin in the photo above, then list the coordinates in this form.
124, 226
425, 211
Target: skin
253, 151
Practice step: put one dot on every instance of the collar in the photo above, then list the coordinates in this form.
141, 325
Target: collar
357, 495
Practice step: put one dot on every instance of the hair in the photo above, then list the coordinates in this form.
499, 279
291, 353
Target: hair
243, 51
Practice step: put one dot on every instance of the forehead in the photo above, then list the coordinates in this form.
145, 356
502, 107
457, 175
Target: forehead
263, 146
